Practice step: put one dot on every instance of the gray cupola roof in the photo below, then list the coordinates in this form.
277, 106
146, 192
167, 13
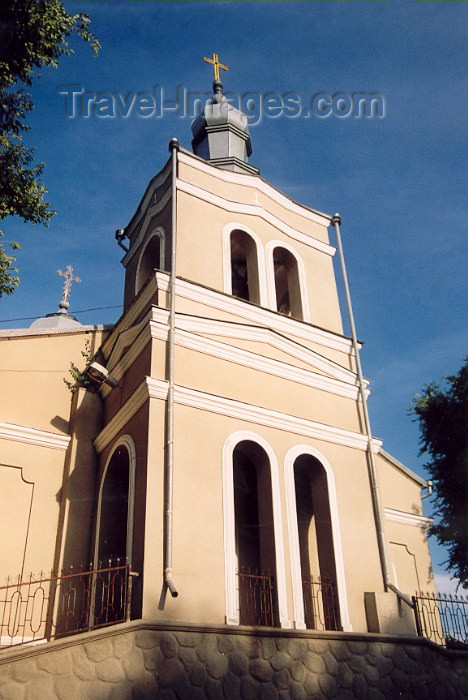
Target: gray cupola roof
59, 319
221, 134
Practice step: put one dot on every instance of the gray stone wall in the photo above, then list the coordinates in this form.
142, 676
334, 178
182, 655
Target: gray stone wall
139, 661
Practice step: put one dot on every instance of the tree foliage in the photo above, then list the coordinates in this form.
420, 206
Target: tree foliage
33, 34
443, 422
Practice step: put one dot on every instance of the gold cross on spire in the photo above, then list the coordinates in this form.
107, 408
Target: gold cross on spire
69, 278
216, 65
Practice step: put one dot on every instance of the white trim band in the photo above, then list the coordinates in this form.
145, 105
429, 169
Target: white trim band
399, 516
256, 183
254, 210
32, 436
157, 388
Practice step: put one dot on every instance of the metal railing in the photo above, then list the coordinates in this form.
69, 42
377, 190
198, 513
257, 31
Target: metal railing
442, 618
49, 606
257, 597
320, 603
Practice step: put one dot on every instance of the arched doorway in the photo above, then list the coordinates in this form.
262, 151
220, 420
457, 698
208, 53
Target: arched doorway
255, 538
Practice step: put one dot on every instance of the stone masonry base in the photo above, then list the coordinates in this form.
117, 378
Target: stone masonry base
144, 660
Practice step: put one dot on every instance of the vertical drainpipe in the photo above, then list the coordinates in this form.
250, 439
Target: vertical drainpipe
169, 453
336, 221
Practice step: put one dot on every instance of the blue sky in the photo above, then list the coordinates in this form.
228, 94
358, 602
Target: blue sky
398, 182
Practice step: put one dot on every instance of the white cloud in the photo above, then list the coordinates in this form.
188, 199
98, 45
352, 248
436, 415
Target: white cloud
445, 584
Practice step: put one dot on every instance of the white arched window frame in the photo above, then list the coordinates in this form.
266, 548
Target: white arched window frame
291, 509
230, 562
270, 267
161, 234
227, 274
127, 442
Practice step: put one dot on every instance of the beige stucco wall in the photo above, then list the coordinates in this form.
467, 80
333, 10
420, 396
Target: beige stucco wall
406, 529
30, 483
34, 397
199, 555
203, 222
244, 193
33, 391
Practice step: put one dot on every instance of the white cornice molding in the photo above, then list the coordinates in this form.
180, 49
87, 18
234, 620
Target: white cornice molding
270, 418
263, 317
126, 321
32, 436
405, 518
256, 183
13, 333
155, 324
123, 362
255, 210
210, 326
246, 358
123, 415
267, 319
126, 340
157, 389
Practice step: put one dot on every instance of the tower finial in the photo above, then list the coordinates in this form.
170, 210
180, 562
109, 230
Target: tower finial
69, 278
216, 66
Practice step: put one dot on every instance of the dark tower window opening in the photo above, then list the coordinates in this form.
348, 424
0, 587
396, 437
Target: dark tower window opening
244, 267
150, 260
255, 542
287, 287
317, 555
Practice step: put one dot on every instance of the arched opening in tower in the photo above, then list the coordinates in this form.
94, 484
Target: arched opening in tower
287, 287
255, 541
113, 521
150, 260
244, 267
317, 554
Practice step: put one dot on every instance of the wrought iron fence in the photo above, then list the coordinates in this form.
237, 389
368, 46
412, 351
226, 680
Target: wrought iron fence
320, 603
442, 618
53, 605
257, 598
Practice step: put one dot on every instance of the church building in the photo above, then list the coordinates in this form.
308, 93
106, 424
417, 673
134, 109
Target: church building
214, 458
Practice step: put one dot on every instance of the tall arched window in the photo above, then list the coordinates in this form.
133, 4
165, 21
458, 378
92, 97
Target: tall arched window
151, 258
253, 533
244, 267
255, 539
317, 554
317, 567
114, 535
114, 529
112, 542
287, 285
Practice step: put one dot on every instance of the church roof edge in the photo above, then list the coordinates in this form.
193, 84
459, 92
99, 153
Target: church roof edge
165, 170
16, 333
406, 470
259, 177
